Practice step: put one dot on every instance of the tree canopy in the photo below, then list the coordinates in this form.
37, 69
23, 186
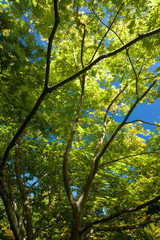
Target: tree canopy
73, 164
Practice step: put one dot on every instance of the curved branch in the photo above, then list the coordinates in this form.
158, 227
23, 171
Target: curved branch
82, 44
133, 68
138, 120
119, 213
129, 156
57, 20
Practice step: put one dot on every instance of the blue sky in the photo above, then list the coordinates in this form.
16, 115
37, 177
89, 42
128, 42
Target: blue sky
146, 112
149, 113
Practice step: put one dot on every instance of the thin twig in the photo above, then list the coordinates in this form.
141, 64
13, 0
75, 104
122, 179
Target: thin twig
138, 120
38, 180
133, 68
82, 44
106, 33
129, 156
75, 60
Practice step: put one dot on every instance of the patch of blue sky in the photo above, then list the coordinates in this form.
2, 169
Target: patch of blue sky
116, 83
74, 189
154, 66
31, 182
72, 92
39, 39
149, 113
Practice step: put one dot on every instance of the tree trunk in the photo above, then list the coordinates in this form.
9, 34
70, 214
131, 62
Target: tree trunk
75, 234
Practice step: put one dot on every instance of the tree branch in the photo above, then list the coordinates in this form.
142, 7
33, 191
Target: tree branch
57, 21
122, 228
22, 128
82, 44
75, 60
38, 180
110, 28
119, 213
129, 156
133, 71
138, 120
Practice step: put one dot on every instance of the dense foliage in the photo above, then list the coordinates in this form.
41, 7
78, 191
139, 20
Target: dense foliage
73, 164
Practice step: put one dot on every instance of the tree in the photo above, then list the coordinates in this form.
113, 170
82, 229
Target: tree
70, 169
